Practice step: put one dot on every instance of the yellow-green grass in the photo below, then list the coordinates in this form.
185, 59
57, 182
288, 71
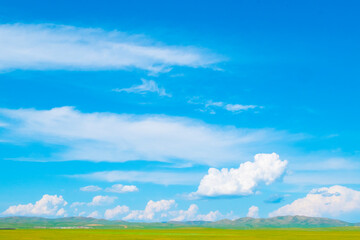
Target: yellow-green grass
193, 233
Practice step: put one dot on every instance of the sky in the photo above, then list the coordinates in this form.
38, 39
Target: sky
179, 110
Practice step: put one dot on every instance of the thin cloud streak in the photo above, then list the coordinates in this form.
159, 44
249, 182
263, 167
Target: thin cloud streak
60, 47
145, 87
212, 106
157, 177
122, 137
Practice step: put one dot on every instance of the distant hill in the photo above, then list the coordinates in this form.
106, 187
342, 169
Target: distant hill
280, 222
38, 222
241, 223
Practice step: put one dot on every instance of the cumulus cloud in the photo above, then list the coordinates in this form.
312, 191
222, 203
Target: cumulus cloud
157, 177
119, 188
151, 208
115, 212
48, 205
90, 188
243, 180
96, 201
162, 208
191, 214
253, 212
122, 137
319, 202
211, 216
53, 47
185, 215
145, 87
102, 200
61, 212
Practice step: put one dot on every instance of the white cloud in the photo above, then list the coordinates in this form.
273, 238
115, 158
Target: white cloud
211, 216
48, 205
210, 106
96, 201
116, 188
253, 212
94, 214
243, 180
327, 201
239, 107
158, 177
102, 200
82, 214
119, 188
210, 103
145, 87
90, 188
61, 212
186, 215
191, 214
118, 210
122, 137
151, 208
48, 47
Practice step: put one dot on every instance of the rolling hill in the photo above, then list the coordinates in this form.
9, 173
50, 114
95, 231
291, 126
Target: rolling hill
241, 223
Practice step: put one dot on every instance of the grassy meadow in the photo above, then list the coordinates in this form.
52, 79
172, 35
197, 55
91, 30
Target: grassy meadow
189, 233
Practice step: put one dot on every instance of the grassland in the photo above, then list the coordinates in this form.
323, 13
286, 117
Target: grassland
188, 233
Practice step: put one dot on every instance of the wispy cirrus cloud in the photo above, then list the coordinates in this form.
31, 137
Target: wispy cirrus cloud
54, 47
157, 177
122, 137
239, 107
91, 188
211, 106
145, 87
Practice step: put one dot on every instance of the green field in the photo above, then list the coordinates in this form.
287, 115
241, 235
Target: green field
192, 233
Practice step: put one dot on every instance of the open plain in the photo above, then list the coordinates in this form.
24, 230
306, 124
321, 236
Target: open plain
188, 233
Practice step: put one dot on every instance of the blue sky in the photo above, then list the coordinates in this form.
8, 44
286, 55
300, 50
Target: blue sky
160, 96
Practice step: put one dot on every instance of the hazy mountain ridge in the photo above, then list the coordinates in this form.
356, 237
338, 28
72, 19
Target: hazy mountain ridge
241, 223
